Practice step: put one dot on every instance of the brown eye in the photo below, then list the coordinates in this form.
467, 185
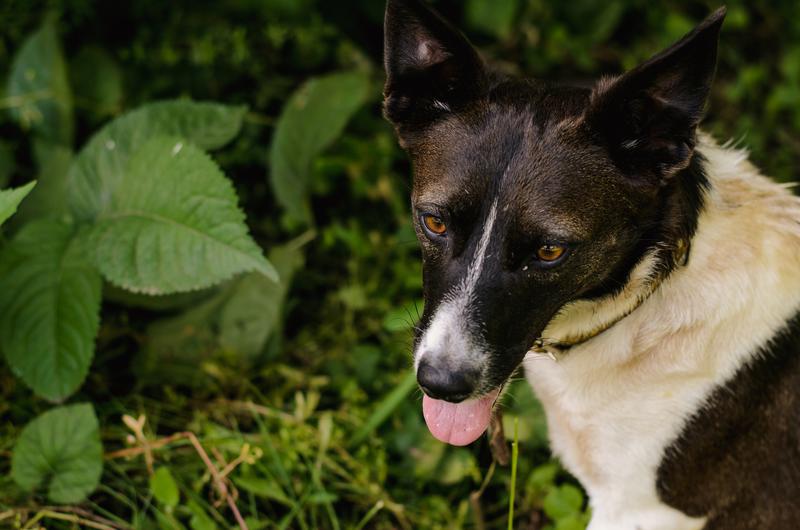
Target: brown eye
550, 253
434, 225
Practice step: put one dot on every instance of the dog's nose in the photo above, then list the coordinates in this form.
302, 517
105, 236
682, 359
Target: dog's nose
441, 382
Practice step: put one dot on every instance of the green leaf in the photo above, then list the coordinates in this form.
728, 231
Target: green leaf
200, 519
164, 488
239, 318
572, 522
62, 449
10, 199
48, 198
253, 311
312, 119
49, 308
562, 502
261, 487
103, 164
39, 89
173, 224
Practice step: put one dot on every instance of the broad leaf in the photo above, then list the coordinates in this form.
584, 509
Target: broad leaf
173, 225
103, 163
48, 198
563, 501
253, 311
49, 308
238, 319
10, 199
62, 449
312, 119
164, 487
38, 87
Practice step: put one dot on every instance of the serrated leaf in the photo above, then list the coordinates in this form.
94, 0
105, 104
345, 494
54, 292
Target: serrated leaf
10, 199
49, 308
164, 487
62, 449
312, 119
103, 163
39, 88
173, 224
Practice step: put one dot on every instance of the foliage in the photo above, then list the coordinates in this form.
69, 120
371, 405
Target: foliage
10, 199
61, 447
132, 279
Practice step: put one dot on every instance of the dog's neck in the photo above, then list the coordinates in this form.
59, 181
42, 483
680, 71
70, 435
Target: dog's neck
583, 320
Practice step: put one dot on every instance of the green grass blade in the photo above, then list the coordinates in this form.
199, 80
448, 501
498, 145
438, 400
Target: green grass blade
385, 408
514, 458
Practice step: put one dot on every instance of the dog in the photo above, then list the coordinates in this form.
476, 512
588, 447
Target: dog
647, 278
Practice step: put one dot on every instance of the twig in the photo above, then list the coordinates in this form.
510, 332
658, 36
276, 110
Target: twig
219, 482
72, 518
136, 451
146, 447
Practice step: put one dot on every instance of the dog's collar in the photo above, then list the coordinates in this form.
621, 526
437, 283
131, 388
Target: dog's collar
555, 349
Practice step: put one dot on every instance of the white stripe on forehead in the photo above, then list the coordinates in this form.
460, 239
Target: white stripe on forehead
476, 267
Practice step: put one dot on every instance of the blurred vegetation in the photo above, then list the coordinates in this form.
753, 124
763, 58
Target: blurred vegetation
300, 393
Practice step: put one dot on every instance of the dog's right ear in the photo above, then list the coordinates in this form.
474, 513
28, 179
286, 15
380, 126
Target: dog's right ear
431, 68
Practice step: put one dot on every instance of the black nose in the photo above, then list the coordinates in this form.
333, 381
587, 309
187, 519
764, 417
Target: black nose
441, 382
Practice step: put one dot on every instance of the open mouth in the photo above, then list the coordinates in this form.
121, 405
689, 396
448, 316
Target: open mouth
459, 423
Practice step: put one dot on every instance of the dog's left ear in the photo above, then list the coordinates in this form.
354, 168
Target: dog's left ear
648, 117
431, 68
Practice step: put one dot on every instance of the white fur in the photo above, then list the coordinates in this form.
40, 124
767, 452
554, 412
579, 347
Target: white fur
446, 336
616, 402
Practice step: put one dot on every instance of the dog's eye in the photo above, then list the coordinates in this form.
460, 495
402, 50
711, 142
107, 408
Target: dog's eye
550, 253
434, 224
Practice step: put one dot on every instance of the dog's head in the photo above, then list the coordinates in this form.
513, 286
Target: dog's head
530, 198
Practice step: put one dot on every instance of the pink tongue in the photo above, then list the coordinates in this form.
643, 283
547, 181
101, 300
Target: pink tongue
458, 423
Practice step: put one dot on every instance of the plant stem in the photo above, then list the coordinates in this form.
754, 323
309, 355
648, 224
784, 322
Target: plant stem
514, 457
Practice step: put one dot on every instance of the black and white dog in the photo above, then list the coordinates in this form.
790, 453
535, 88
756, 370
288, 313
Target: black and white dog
647, 278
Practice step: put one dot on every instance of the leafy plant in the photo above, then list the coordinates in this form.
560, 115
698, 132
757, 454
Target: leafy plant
62, 449
10, 199
313, 117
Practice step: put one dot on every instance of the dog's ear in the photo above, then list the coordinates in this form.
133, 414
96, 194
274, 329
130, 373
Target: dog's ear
648, 117
431, 68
